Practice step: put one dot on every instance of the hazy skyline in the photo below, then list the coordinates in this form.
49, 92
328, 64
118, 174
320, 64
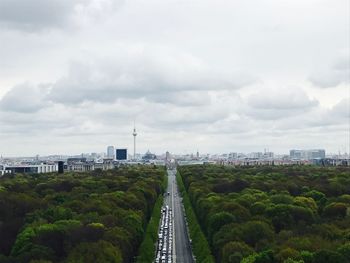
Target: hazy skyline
217, 76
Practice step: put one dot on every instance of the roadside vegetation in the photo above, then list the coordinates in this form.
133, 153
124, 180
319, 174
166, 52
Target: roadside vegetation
94, 217
147, 248
267, 214
200, 246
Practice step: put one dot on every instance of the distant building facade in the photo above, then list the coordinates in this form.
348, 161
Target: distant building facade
29, 169
167, 156
268, 155
255, 155
307, 154
60, 165
232, 155
85, 166
3, 170
149, 156
76, 160
111, 152
121, 154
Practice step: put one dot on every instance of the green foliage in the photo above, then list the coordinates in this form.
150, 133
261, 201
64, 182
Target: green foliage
307, 256
289, 260
99, 216
344, 250
234, 252
218, 220
253, 232
271, 214
147, 249
99, 252
200, 245
288, 254
326, 256
266, 256
335, 210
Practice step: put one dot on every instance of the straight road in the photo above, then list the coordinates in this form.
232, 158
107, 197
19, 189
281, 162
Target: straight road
182, 252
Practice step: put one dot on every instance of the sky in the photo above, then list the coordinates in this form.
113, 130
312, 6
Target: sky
215, 76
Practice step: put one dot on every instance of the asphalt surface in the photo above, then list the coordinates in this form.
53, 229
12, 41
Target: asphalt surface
182, 252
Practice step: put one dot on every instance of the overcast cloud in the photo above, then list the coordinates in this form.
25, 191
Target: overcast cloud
214, 76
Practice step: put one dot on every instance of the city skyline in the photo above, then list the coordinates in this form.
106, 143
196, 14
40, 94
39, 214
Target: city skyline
194, 153
210, 75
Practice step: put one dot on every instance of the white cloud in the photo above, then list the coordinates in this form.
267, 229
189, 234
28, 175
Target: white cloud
160, 76
38, 15
208, 75
338, 73
271, 104
282, 99
24, 98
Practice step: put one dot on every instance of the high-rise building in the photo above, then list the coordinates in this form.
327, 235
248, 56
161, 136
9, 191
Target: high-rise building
122, 154
110, 152
316, 154
307, 154
232, 155
295, 154
60, 167
268, 155
255, 155
167, 156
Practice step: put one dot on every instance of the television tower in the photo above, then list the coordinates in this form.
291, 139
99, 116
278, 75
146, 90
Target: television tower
134, 134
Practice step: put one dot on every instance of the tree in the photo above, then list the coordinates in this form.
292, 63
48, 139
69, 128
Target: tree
258, 208
95, 252
288, 253
218, 220
254, 231
281, 216
335, 210
234, 252
44, 217
289, 260
121, 238
23, 242
344, 250
307, 256
306, 202
266, 256
327, 256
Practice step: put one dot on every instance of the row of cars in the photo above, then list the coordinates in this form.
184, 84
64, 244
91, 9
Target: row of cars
165, 237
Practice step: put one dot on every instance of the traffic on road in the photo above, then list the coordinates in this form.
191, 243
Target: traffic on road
173, 244
165, 237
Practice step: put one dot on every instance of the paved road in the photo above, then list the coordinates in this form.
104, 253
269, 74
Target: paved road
181, 248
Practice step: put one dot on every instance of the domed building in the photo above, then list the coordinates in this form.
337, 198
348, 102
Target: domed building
149, 156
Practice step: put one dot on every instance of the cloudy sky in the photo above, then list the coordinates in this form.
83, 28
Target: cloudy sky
213, 75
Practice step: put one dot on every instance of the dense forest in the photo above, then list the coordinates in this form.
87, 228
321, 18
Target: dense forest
94, 217
272, 214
